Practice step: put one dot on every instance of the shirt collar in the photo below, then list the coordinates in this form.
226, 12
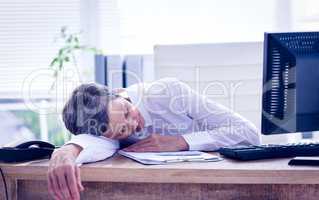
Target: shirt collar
136, 93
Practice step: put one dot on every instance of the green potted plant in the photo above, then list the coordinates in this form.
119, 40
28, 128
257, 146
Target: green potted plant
67, 52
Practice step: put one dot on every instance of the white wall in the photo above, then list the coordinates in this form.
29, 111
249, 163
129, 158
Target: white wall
229, 73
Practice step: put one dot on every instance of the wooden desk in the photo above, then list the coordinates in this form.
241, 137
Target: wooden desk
121, 178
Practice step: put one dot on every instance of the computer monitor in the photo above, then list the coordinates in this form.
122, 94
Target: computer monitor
290, 99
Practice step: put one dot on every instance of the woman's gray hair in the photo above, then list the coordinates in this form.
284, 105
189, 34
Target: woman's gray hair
86, 112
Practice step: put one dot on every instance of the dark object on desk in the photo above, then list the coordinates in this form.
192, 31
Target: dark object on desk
270, 151
27, 151
308, 161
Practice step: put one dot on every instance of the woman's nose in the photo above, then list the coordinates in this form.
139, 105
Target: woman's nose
133, 124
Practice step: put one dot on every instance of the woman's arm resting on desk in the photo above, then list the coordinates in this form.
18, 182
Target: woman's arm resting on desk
159, 143
221, 127
64, 180
218, 126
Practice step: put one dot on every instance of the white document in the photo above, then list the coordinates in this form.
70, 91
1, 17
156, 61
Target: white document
160, 158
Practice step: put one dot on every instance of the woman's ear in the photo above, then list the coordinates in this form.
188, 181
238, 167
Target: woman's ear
118, 90
121, 91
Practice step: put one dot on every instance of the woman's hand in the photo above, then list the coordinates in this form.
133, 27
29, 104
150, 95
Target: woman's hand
159, 143
64, 181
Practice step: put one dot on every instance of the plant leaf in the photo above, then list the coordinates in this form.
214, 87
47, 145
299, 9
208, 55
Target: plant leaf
76, 39
55, 60
61, 51
63, 31
60, 64
70, 38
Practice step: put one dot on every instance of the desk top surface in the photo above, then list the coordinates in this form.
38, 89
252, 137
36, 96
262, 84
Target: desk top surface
121, 169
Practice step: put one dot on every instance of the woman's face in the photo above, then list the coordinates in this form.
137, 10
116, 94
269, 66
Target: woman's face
124, 119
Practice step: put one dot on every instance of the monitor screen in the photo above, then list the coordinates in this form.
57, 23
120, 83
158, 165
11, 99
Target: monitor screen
290, 99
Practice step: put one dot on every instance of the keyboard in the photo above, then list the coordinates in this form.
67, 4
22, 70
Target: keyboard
270, 151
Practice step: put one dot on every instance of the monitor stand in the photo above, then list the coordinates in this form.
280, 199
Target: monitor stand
307, 135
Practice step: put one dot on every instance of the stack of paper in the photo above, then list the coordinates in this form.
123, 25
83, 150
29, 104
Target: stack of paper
151, 158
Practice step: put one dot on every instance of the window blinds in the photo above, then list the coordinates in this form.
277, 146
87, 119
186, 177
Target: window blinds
27, 32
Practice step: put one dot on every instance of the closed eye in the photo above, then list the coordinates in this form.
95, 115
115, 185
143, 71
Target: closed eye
123, 129
126, 113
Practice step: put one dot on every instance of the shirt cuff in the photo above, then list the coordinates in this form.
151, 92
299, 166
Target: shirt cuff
86, 141
90, 155
94, 148
199, 141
